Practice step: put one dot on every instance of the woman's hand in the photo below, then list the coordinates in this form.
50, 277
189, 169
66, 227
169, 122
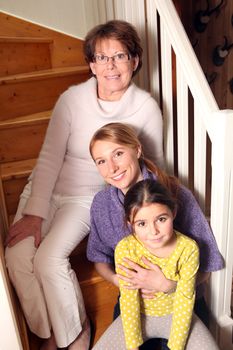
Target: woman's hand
150, 281
28, 225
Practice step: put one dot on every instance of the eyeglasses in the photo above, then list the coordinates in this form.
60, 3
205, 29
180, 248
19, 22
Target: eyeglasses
120, 57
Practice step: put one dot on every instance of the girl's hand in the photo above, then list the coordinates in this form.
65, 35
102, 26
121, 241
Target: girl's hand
150, 281
28, 225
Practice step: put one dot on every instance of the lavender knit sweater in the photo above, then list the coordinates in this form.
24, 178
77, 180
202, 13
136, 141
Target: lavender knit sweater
108, 228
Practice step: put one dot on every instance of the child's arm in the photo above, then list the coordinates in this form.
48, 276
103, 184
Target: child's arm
129, 302
184, 297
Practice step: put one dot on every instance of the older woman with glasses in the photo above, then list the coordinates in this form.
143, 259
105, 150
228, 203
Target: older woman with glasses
53, 212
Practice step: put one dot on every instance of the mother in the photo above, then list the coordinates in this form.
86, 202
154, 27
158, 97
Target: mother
117, 153
53, 213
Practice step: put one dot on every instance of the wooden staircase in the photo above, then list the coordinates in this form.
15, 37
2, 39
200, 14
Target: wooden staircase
36, 66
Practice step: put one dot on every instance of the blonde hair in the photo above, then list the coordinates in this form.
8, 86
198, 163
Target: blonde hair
125, 135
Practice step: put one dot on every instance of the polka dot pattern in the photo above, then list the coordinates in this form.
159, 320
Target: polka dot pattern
180, 266
157, 327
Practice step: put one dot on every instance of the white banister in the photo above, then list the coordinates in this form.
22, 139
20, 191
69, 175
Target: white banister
222, 219
186, 150
167, 104
200, 157
182, 125
184, 52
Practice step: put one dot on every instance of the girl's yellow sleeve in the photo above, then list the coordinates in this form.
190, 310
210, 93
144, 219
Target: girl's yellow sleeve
184, 297
129, 301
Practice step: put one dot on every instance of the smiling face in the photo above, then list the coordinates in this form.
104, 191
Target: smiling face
117, 164
113, 78
153, 226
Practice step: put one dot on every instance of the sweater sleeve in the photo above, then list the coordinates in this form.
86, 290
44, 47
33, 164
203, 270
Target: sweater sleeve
191, 221
50, 160
97, 250
151, 133
184, 297
129, 302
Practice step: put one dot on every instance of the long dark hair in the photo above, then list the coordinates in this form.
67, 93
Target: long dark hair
146, 192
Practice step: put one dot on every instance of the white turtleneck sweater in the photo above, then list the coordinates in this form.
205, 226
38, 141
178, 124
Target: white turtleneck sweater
64, 165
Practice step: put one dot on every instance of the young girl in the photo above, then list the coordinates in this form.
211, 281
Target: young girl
150, 210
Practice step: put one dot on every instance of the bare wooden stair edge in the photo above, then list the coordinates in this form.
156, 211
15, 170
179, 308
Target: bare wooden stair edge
18, 169
30, 119
26, 119
25, 40
43, 74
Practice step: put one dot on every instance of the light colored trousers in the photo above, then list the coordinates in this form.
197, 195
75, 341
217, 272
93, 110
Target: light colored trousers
46, 285
157, 327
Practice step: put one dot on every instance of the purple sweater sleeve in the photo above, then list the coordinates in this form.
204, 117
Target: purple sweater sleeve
97, 248
191, 221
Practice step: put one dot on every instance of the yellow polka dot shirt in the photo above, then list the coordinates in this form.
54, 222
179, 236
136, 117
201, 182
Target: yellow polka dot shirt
181, 266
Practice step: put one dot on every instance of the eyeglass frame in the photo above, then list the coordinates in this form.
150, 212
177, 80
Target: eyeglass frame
112, 57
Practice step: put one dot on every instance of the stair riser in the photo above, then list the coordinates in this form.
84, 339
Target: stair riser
17, 99
23, 57
13, 146
101, 293
100, 299
12, 190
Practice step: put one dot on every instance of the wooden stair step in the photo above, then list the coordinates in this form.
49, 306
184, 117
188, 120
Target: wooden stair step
34, 92
14, 177
24, 54
30, 119
14, 131
19, 169
43, 74
24, 39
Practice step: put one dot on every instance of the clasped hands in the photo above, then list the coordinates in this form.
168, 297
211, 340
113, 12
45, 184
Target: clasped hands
149, 281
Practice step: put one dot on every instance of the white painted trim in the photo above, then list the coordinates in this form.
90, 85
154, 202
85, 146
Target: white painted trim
182, 125
199, 157
152, 47
221, 215
133, 11
109, 9
166, 66
10, 338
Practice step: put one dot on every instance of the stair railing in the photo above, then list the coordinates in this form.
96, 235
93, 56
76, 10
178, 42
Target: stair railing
197, 142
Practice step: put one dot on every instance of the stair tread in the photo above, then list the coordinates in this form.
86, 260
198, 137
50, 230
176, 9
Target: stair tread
21, 39
42, 74
31, 119
17, 169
